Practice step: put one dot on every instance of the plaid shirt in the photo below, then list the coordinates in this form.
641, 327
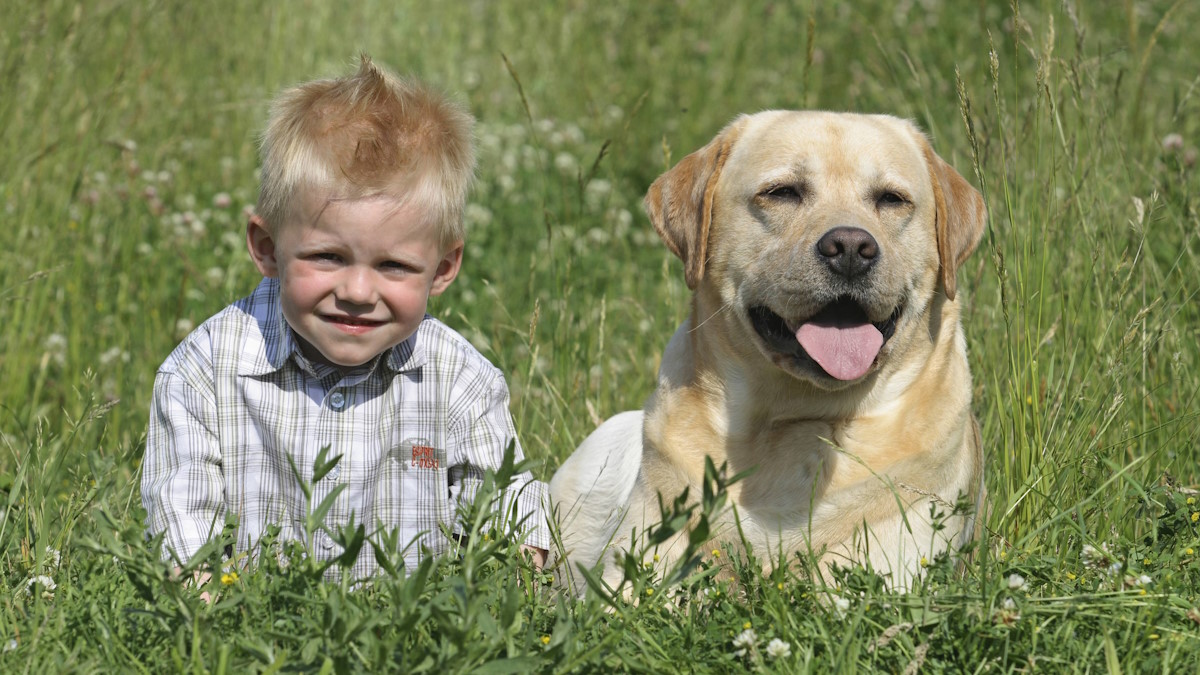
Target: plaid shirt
416, 428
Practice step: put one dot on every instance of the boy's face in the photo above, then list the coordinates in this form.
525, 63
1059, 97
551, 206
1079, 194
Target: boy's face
355, 276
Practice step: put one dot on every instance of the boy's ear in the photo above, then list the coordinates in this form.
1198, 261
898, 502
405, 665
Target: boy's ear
447, 269
262, 246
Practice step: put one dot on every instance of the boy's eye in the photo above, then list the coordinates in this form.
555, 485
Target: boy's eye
325, 257
396, 266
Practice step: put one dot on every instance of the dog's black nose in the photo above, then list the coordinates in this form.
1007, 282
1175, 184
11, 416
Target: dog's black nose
849, 251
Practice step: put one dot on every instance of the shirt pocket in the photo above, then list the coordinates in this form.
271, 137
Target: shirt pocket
412, 497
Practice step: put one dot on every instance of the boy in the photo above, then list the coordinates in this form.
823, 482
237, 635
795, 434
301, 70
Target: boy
358, 223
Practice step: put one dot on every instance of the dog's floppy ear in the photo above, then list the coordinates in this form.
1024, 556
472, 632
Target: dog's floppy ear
680, 201
961, 217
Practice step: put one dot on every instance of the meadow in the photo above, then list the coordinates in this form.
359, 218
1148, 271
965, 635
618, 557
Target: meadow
128, 163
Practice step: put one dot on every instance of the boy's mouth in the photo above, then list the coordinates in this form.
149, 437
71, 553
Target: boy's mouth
351, 324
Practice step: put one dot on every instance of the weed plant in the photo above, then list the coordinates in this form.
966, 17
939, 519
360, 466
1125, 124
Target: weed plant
127, 164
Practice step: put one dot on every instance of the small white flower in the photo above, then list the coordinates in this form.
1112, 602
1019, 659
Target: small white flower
477, 215
112, 355
222, 200
1142, 580
745, 641
214, 275
55, 342
1016, 582
1009, 604
778, 649
45, 582
565, 162
183, 327
597, 192
1172, 142
842, 605
53, 557
10, 645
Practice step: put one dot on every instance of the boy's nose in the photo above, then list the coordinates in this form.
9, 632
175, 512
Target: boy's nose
356, 287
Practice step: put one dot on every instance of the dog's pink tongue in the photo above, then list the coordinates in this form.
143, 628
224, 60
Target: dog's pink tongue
843, 349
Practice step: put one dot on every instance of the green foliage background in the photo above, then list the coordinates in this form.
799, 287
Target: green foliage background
127, 154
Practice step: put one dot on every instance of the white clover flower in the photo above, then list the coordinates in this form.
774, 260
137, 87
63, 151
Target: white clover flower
222, 200
10, 645
144, 249
183, 327
596, 192
1007, 613
489, 142
1142, 580
1016, 582
506, 182
565, 162
841, 604
477, 215
56, 342
53, 557
215, 275
745, 641
45, 582
614, 113
778, 649
1172, 142
597, 235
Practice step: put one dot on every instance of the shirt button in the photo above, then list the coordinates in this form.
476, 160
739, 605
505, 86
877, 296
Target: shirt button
336, 400
326, 541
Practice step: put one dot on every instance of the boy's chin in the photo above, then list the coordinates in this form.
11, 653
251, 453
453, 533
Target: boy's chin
339, 357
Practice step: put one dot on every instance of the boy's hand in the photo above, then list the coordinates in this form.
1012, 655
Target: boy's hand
200, 579
537, 556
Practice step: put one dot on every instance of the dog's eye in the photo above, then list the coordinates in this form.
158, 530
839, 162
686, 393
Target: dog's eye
790, 192
889, 198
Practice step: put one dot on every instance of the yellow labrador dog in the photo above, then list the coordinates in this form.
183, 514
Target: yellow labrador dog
824, 350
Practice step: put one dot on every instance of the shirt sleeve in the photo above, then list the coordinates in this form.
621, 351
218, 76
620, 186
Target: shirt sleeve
183, 488
480, 439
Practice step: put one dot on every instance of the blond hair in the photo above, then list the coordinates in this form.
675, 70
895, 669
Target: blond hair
368, 134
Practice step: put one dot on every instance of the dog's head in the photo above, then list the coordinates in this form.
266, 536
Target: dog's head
823, 236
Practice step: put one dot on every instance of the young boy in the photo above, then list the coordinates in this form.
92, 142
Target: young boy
358, 223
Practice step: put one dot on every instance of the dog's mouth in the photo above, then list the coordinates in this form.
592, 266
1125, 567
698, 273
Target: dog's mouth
839, 338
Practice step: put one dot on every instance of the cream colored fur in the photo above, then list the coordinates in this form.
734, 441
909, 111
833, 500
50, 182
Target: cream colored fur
846, 470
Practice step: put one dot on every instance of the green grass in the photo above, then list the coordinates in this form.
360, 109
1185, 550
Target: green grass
125, 128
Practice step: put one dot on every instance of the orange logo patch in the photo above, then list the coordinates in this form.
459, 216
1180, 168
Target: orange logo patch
425, 457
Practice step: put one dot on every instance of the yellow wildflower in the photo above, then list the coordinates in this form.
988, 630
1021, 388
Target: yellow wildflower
229, 578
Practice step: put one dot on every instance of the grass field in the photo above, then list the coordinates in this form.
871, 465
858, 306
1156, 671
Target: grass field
128, 156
